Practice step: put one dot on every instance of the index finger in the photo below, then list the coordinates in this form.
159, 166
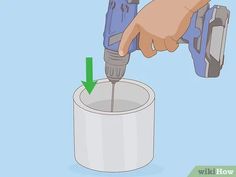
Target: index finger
128, 36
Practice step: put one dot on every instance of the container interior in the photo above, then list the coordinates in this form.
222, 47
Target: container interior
128, 96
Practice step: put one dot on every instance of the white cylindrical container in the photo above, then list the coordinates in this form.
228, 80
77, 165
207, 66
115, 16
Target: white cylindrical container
117, 141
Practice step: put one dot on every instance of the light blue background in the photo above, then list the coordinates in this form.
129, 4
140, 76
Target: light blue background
43, 44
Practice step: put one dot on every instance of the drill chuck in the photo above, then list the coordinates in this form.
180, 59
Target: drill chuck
115, 65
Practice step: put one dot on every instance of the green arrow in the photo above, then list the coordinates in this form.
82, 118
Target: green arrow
90, 83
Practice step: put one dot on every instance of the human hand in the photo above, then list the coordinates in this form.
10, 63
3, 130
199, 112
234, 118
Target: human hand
160, 25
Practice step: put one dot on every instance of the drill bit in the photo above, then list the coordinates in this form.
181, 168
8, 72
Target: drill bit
113, 97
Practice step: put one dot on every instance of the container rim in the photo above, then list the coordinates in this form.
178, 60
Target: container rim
83, 106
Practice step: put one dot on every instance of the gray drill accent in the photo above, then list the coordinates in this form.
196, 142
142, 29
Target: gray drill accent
133, 1
116, 38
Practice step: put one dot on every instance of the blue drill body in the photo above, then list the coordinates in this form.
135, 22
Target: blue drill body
206, 25
120, 14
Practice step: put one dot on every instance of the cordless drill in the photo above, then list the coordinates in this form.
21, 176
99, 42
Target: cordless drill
206, 38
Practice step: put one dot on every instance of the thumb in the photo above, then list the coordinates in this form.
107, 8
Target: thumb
128, 36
